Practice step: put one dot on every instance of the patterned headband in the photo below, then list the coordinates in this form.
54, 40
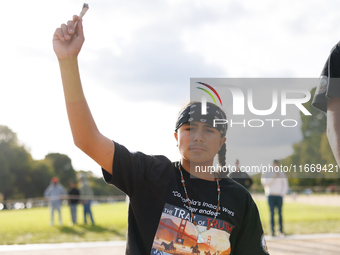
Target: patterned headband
193, 113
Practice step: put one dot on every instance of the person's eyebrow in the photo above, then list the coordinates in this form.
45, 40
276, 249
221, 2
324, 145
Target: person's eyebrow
195, 125
207, 125
189, 124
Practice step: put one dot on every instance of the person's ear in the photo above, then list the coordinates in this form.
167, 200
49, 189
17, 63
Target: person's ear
176, 137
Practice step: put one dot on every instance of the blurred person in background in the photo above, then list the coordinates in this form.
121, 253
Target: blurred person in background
86, 195
73, 202
55, 193
241, 177
275, 185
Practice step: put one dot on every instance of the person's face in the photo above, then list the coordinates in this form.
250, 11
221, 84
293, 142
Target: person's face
198, 142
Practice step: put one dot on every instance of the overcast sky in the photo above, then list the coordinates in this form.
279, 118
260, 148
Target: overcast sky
138, 59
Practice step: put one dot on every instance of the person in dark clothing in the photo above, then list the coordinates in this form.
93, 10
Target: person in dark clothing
327, 98
73, 201
241, 177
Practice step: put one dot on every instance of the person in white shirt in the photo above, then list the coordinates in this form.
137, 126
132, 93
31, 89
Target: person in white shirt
55, 193
275, 185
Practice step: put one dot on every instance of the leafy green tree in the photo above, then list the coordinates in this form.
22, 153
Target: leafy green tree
7, 136
23, 177
14, 164
63, 168
6, 177
40, 177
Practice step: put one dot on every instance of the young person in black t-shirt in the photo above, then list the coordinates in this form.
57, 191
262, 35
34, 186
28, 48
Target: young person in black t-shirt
169, 212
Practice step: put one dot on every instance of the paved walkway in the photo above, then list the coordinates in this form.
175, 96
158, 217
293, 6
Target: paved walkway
89, 248
316, 244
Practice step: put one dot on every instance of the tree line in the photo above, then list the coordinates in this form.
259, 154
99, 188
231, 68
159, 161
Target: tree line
22, 177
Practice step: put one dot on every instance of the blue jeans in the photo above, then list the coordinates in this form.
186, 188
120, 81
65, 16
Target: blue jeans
275, 201
73, 208
55, 205
87, 210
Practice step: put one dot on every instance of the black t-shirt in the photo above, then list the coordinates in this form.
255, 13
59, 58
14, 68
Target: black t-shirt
159, 219
329, 84
74, 193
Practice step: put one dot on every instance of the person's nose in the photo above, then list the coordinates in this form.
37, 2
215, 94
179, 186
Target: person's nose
198, 136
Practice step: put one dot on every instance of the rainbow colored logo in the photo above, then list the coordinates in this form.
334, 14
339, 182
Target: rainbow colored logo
212, 89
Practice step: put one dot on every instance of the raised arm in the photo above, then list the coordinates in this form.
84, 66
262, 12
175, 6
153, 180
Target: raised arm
67, 44
333, 126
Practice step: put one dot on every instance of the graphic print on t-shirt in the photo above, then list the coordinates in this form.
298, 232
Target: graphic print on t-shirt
176, 234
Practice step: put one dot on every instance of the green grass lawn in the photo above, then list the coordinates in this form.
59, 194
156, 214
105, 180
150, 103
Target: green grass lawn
33, 225
302, 218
